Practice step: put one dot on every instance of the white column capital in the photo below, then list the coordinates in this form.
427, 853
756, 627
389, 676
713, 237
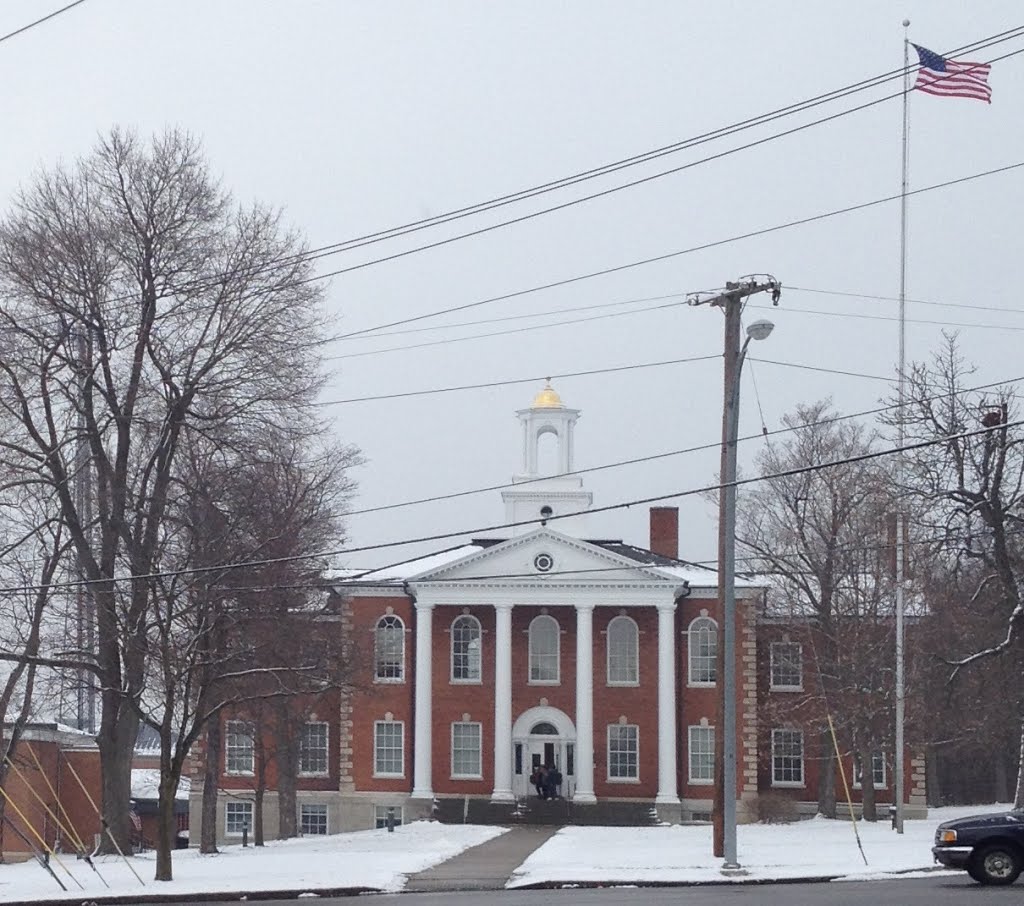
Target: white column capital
503, 606
668, 605
584, 607
423, 605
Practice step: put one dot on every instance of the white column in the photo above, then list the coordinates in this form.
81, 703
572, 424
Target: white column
667, 788
422, 777
503, 704
584, 703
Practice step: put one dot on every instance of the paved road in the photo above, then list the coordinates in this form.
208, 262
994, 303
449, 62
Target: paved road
942, 891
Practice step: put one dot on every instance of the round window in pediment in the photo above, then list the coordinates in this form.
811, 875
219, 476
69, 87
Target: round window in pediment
543, 562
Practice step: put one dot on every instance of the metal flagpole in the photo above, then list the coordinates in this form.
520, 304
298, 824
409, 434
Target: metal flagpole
901, 377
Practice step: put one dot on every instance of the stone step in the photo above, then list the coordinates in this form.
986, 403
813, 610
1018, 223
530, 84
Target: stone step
541, 812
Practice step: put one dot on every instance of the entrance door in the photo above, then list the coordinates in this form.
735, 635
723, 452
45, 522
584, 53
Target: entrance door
543, 736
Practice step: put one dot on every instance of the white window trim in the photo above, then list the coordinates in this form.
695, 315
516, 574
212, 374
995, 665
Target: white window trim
858, 784
388, 775
399, 814
451, 750
608, 652
697, 781
784, 687
388, 680
252, 816
690, 681
327, 750
228, 772
451, 653
327, 817
791, 784
557, 681
608, 755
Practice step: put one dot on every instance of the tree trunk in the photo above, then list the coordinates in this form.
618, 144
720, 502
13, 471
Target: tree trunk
116, 744
933, 786
211, 787
289, 731
826, 777
867, 785
257, 815
1018, 798
167, 825
1001, 776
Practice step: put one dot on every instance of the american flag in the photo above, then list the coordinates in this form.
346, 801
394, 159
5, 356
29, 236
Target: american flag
952, 78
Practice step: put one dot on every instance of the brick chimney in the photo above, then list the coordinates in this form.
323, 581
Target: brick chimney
665, 531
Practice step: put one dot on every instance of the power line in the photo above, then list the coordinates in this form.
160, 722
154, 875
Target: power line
667, 256
527, 380
45, 18
865, 317
442, 536
713, 445
836, 292
324, 251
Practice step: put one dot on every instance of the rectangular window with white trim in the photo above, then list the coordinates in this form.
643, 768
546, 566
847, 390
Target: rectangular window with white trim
702, 755
313, 819
877, 770
382, 814
313, 749
623, 752
237, 818
388, 748
787, 757
467, 757
238, 747
787, 667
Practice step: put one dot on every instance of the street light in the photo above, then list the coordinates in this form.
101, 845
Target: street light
759, 330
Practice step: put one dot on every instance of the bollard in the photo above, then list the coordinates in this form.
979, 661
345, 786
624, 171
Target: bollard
892, 816
390, 822
245, 834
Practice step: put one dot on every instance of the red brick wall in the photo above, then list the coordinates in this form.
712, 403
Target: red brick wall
638, 704
372, 700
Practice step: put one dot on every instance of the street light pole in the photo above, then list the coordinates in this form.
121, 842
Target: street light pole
731, 303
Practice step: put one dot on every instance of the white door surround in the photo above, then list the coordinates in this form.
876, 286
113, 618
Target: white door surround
543, 735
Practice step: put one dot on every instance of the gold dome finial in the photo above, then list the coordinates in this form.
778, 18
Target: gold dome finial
548, 398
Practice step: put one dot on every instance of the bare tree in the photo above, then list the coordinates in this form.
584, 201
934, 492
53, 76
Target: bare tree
969, 490
140, 304
815, 534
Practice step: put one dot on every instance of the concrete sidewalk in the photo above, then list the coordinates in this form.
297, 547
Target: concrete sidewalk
484, 867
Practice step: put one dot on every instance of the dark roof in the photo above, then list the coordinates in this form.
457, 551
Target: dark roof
643, 555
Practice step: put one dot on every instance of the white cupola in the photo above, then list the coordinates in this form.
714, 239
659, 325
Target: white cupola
535, 497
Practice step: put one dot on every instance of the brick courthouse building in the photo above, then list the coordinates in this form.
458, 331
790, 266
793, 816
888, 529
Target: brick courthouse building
546, 647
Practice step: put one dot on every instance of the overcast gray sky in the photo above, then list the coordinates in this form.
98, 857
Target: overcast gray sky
355, 117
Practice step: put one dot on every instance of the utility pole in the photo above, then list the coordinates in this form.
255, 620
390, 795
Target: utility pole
731, 302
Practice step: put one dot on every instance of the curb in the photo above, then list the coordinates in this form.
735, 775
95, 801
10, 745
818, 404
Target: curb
219, 896
717, 882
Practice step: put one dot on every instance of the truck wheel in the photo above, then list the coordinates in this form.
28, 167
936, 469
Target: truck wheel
995, 863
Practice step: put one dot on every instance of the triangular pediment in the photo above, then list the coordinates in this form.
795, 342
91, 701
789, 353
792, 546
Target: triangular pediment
546, 556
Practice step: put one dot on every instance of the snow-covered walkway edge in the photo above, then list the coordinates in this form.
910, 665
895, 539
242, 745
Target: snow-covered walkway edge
372, 859
682, 855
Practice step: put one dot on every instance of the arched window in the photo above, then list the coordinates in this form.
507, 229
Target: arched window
466, 650
702, 651
544, 650
389, 650
544, 729
623, 652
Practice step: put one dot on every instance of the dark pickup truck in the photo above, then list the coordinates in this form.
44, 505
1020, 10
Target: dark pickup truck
990, 848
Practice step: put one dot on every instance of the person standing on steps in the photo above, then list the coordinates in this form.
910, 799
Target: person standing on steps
554, 778
540, 781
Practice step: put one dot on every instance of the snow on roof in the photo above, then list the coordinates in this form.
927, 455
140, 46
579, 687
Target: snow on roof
692, 573
397, 573
146, 784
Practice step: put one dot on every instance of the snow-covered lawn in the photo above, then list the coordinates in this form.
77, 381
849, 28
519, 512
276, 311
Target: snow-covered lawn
683, 854
364, 859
